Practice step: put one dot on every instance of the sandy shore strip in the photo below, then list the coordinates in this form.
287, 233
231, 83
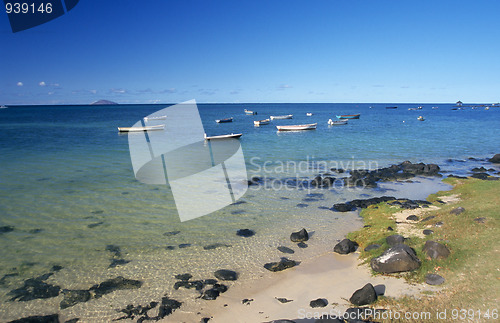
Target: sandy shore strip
330, 276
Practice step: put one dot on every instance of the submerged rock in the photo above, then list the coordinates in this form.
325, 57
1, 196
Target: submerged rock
226, 274
35, 288
283, 264
73, 297
245, 233
364, 296
299, 236
114, 284
216, 245
399, 258
286, 250
53, 318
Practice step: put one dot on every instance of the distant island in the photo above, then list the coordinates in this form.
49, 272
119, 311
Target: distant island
104, 102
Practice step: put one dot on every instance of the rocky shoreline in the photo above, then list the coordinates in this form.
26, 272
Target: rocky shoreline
397, 258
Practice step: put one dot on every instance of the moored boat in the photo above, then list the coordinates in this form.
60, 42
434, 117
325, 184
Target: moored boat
288, 116
3, 107
138, 129
420, 118
309, 114
261, 122
250, 112
298, 127
229, 136
349, 116
337, 122
224, 120
155, 118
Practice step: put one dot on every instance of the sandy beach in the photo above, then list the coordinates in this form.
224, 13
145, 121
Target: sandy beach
330, 276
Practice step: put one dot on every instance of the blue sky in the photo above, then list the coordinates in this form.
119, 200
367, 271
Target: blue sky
171, 51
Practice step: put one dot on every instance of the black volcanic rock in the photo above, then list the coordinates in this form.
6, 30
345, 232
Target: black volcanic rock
226, 274
245, 233
495, 159
435, 250
345, 246
399, 258
299, 236
53, 318
113, 284
283, 264
320, 302
364, 296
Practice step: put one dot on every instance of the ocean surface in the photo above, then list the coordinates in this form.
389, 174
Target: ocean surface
69, 198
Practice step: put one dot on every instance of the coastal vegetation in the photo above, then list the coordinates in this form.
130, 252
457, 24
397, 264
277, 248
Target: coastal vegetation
465, 220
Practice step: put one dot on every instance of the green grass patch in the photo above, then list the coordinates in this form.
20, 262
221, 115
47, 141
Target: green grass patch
472, 271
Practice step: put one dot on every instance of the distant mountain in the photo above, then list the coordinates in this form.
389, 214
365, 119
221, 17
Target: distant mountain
104, 102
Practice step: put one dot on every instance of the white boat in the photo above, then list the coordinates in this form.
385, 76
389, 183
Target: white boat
137, 129
337, 122
233, 135
155, 118
250, 112
3, 107
310, 126
487, 108
434, 108
420, 118
288, 116
261, 122
309, 114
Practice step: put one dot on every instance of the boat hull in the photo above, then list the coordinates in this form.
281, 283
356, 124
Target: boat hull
261, 122
233, 135
301, 127
224, 120
140, 129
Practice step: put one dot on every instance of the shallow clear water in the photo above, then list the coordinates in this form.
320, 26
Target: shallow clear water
68, 189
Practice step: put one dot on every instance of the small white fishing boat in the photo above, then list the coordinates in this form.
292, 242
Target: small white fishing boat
137, 129
232, 135
224, 120
435, 108
3, 107
288, 116
309, 114
298, 127
250, 112
487, 108
155, 118
337, 122
420, 118
261, 122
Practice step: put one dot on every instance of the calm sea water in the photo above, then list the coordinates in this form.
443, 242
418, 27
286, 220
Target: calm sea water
68, 189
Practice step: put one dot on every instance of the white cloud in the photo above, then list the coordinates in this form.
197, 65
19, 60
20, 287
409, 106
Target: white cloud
42, 83
20, 84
